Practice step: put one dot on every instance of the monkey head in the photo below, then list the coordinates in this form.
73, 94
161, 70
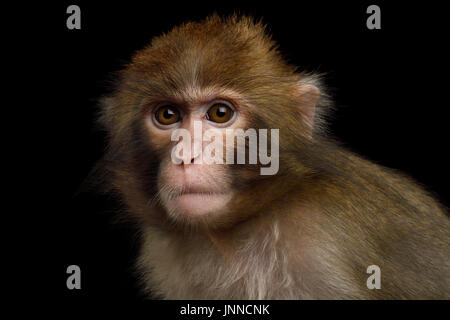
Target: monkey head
204, 78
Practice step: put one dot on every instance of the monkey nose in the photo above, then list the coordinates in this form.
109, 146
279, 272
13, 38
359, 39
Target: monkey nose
196, 152
185, 162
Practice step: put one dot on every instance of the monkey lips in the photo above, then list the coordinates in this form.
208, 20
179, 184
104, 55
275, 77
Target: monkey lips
194, 202
193, 190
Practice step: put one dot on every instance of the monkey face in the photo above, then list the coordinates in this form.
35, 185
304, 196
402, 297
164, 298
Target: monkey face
193, 179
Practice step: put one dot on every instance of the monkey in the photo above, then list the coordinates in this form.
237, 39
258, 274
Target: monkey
227, 231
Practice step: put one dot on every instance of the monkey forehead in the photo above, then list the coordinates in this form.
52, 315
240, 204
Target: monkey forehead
234, 52
194, 95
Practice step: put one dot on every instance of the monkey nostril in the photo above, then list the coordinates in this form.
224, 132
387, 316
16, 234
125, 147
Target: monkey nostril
185, 162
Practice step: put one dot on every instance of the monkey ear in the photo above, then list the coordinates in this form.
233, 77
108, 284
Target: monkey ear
307, 95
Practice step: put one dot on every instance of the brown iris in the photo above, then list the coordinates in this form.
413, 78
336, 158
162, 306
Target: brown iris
167, 115
220, 113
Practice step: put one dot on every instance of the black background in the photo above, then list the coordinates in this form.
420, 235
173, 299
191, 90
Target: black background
389, 87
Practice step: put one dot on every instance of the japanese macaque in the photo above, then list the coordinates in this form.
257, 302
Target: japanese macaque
307, 230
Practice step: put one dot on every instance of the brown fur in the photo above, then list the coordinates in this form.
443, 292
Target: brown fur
308, 232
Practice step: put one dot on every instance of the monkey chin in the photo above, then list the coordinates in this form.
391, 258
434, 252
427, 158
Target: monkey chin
198, 205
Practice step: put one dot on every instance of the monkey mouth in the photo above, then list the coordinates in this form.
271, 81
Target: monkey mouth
198, 202
200, 193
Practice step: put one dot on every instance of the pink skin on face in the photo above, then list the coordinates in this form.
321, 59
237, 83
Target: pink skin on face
194, 190
200, 189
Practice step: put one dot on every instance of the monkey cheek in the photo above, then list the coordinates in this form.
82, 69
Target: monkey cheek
194, 205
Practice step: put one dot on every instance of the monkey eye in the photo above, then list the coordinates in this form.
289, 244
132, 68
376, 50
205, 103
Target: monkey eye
167, 115
219, 113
